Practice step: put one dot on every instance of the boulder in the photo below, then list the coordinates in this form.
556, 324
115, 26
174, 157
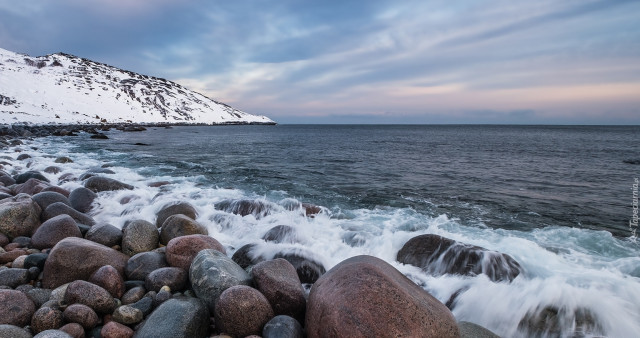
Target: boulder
91, 295
99, 184
180, 225
182, 250
12, 331
54, 230
278, 281
245, 257
105, 234
180, 208
63, 159
30, 187
19, 216
139, 236
212, 272
109, 279
15, 308
193, 320
81, 199
142, 264
242, 311
174, 278
308, 269
58, 208
257, 208
46, 198
439, 255
365, 296
282, 327
63, 266
14, 277
281, 234
52, 170
29, 175
81, 314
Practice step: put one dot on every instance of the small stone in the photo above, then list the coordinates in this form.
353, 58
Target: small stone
174, 278
127, 315
75, 330
145, 305
15, 308
81, 314
52, 170
105, 234
63, 159
108, 278
193, 320
282, 327
35, 260
10, 256
39, 296
14, 277
140, 265
139, 236
242, 311
161, 297
18, 263
91, 295
116, 330
46, 318
134, 295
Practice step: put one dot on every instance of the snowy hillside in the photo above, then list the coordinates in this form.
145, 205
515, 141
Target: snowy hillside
66, 89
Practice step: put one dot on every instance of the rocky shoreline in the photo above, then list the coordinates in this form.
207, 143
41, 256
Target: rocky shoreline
64, 274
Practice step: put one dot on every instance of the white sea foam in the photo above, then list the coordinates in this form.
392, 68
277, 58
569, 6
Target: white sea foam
568, 269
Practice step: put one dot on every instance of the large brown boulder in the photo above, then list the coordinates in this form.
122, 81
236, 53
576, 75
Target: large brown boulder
182, 250
364, 296
180, 225
279, 283
91, 295
54, 230
439, 255
19, 216
242, 311
180, 208
76, 258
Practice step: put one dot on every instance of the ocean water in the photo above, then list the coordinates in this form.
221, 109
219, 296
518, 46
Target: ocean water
558, 199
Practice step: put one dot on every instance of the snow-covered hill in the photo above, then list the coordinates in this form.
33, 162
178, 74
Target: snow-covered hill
66, 89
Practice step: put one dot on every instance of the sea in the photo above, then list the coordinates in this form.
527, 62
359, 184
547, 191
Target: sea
558, 199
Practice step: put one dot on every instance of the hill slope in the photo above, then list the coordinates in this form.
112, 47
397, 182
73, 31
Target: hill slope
66, 89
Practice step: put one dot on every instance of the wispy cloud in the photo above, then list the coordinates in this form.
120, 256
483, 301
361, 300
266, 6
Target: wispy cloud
404, 60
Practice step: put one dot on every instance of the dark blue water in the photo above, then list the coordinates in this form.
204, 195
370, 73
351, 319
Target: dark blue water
514, 177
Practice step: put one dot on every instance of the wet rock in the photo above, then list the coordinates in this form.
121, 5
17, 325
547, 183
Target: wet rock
99, 184
14, 277
257, 208
549, 321
39, 296
63, 266
139, 236
100, 136
180, 225
46, 198
116, 330
182, 250
22, 157
127, 315
439, 255
46, 318
242, 311
374, 300
174, 278
81, 199
109, 279
19, 216
63, 159
134, 295
282, 327
22, 178
308, 269
212, 272
281, 234
68, 177
181, 208
12, 331
54, 230
58, 208
140, 265
52, 170
278, 281
311, 210
471, 330
15, 308
245, 257
91, 295
105, 234
30, 187
75, 330
163, 322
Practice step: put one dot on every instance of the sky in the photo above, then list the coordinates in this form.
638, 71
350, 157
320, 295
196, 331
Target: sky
364, 61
